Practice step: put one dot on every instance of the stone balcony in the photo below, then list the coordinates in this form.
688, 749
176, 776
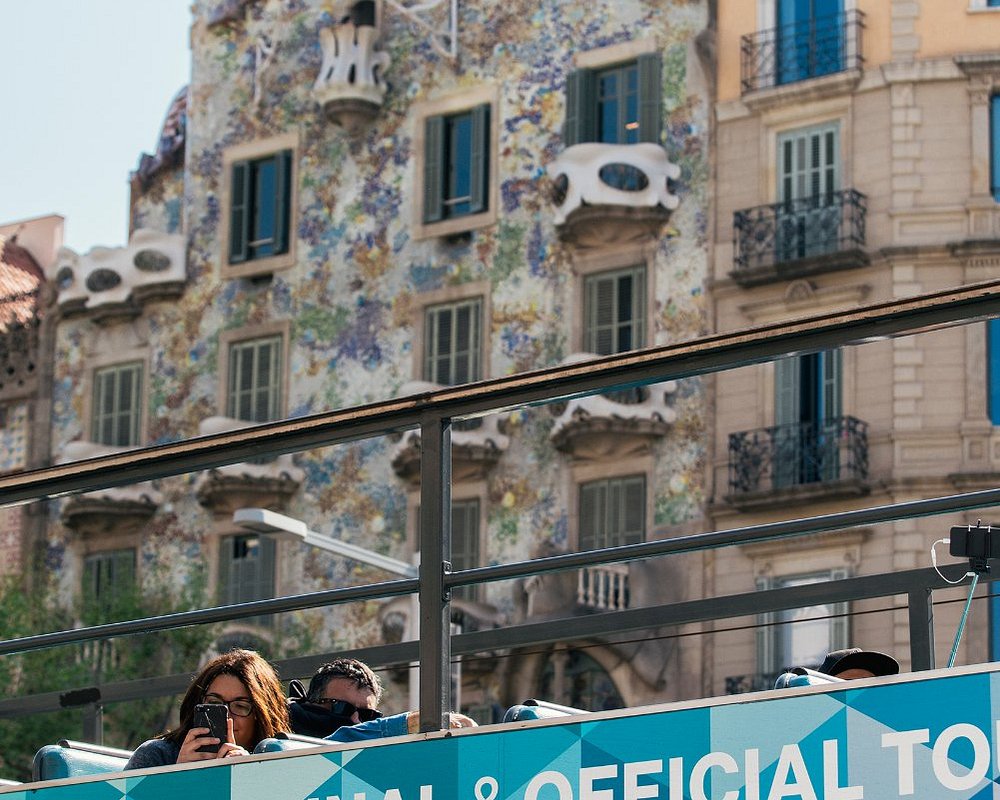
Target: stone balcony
476, 444
116, 510
612, 193
268, 483
350, 87
113, 282
612, 425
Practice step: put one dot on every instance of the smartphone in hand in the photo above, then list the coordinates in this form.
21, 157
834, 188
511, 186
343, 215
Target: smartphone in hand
215, 717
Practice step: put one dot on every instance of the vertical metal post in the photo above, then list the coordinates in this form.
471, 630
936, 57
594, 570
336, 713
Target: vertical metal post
93, 723
435, 558
921, 629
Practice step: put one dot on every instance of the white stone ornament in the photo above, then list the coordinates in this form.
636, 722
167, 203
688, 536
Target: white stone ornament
352, 68
578, 172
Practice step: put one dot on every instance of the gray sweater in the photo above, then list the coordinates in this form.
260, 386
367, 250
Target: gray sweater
154, 753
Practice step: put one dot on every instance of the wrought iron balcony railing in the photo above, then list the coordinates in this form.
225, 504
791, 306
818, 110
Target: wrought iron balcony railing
804, 49
778, 237
786, 456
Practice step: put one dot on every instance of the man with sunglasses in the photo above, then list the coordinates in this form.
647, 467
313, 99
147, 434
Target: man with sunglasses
341, 705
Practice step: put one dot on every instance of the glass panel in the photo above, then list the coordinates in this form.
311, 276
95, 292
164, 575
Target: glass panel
264, 205
458, 185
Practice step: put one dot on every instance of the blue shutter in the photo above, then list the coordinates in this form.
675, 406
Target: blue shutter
239, 212
479, 159
650, 98
433, 169
581, 108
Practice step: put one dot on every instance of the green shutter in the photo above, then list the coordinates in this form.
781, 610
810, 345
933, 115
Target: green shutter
581, 108
282, 200
433, 169
832, 361
650, 98
592, 510
786, 391
239, 214
479, 159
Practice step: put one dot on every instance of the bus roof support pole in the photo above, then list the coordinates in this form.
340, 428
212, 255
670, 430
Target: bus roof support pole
921, 609
435, 557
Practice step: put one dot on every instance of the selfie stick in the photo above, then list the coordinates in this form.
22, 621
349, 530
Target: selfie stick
979, 565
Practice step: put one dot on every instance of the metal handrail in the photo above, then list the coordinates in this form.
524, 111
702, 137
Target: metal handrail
432, 413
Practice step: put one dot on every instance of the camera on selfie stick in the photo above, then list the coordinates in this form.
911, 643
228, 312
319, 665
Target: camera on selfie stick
978, 544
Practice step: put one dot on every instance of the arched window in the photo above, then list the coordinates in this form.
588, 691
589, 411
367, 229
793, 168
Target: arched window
573, 678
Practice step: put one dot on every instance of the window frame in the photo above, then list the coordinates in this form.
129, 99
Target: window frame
228, 340
610, 483
429, 136
447, 296
101, 557
268, 546
256, 152
638, 305
97, 413
474, 346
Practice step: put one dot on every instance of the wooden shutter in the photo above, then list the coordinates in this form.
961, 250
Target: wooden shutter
832, 370
593, 504
239, 212
433, 169
282, 200
479, 160
600, 315
650, 97
809, 162
786, 391
581, 108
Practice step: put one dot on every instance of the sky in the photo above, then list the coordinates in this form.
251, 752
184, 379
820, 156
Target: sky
86, 85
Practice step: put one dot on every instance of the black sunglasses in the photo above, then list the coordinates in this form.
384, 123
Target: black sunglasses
344, 709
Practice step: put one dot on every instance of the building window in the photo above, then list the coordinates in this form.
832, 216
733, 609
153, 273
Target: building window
993, 369
246, 570
260, 202
573, 678
800, 637
620, 104
612, 512
615, 312
117, 410
808, 218
807, 406
456, 164
465, 541
810, 39
452, 342
108, 581
995, 142
254, 390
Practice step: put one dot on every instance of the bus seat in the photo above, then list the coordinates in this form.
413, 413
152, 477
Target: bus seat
288, 741
539, 709
70, 759
800, 676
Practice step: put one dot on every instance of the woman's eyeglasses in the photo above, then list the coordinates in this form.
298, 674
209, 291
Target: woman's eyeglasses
344, 709
238, 708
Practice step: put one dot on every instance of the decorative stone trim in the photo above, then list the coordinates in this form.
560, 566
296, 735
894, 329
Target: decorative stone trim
110, 282
264, 484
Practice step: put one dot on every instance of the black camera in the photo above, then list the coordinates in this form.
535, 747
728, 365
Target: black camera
978, 544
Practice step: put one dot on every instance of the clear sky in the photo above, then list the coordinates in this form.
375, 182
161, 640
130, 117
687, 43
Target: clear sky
86, 85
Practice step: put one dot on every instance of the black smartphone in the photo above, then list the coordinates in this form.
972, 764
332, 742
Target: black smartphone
215, 717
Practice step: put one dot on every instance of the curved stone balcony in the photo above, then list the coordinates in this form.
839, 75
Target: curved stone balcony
120, 509
611, 425
612, 193
268, 483
117, 281
476, 444
350, 87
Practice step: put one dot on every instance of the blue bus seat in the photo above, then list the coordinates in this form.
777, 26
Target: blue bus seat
800, 676
69, 759
539, 709
283, 742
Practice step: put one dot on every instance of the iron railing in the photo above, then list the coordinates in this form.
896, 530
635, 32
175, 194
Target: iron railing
433, 412
804, 49
785, 456
780, 234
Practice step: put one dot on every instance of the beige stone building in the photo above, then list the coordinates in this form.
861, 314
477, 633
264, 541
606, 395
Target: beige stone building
852, 165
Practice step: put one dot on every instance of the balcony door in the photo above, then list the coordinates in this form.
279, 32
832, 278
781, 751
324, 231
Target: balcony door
810, 39
807, 408
808, 218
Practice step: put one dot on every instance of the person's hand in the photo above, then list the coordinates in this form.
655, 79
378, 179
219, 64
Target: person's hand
196, 737
454, 721
199, 737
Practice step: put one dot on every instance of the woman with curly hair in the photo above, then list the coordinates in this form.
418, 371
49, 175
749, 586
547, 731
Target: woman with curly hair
244, 682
